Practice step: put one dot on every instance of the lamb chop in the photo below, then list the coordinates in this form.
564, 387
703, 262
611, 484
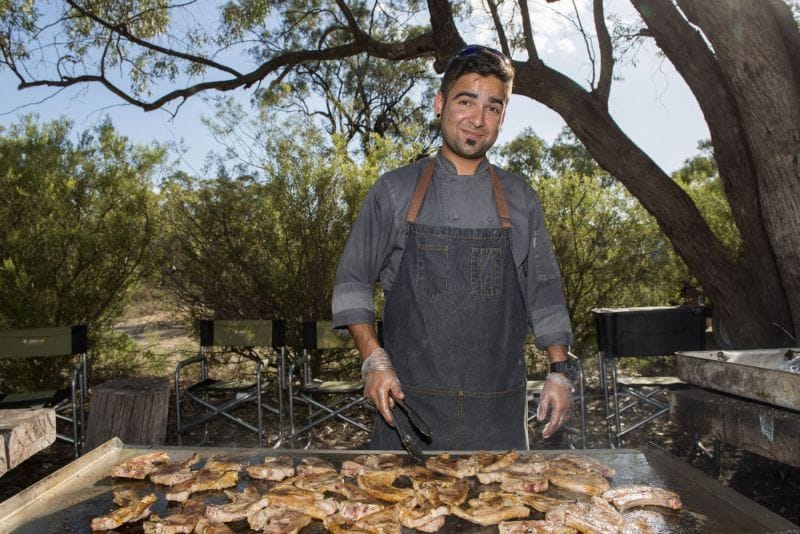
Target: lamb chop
184, 521
533, 527
274, 468
588, 483
531, 463
595, 517
278, 520
571, 463
454, 467
207, 526
314, 464
383, 522
203, 480
310, 503
625, 497
140, 466
491, 508
487, 462
370, 462
175, 472
525, 484
418, 512
379, 484
542, 503
437, 487
236, 509
337, 524
132, 509
352, 510
216, 463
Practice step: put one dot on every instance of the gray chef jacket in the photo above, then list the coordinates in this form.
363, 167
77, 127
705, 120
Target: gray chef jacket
375, 245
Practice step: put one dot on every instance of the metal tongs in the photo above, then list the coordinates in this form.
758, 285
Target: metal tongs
404, 431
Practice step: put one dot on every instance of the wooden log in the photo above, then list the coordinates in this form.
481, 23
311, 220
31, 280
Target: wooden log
132, 409
25, 432
760, 428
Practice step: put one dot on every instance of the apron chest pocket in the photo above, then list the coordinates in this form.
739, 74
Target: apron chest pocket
432, 270
486, 271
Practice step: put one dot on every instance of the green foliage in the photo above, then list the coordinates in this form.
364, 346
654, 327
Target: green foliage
78, 222
610, 251
265, 243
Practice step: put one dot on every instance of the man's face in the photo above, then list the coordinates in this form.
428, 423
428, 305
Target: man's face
471, 115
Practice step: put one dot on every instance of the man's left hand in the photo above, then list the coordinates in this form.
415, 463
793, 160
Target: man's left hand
556, 397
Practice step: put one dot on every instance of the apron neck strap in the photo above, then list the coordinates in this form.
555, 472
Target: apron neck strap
425, 181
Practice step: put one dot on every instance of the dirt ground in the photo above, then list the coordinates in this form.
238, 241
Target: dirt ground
771, 484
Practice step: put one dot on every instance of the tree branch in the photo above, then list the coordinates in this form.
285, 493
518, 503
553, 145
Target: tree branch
603, 88
527, 29
498, 27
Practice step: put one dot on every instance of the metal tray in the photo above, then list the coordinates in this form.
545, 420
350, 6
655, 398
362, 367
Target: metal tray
67, 500
754, 374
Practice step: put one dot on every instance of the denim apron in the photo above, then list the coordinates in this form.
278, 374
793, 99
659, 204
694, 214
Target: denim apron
454, 325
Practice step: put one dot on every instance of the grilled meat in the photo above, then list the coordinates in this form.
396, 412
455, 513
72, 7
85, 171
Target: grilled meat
184, 521
174, 472
203, 480
370, 462
418, 512
379, 484
533, 527
383, 522
216, 463
454, 467
491, 514
278, 520
595, 517
235, 510
542, 503
571, 463
532, 464
587, 484
274, 468
487, 462
140, 466
132, 511
352, 511
308, 502
207, 526
525, 484
625, 497
314, 464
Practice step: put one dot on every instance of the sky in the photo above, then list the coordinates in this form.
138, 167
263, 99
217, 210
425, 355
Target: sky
649, 101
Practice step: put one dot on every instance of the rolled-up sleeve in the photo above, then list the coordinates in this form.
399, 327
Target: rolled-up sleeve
544, 293
364, 255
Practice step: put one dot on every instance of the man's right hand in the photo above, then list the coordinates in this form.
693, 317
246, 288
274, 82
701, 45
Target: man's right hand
382, 387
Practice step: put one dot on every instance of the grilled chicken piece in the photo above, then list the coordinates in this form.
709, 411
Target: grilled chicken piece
572, 463
173, 472
132, 511
314, 464
454, 467
278, 520
532, 464
533, 527
487, 462
418, 512
207, 526
525, 484
215, 463
379, 484
588, 483
625, 497
595, 517
274, 468
140, 466
203, 480
236, 509
184, 521
370, 462
310, 503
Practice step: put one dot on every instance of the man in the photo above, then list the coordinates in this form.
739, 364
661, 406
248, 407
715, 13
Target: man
468, 270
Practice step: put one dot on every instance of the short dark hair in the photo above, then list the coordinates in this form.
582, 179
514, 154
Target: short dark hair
480, 60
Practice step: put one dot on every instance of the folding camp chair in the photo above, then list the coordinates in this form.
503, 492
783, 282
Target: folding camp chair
68, 403
576, 429
640, 333
325, 399
221, 398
